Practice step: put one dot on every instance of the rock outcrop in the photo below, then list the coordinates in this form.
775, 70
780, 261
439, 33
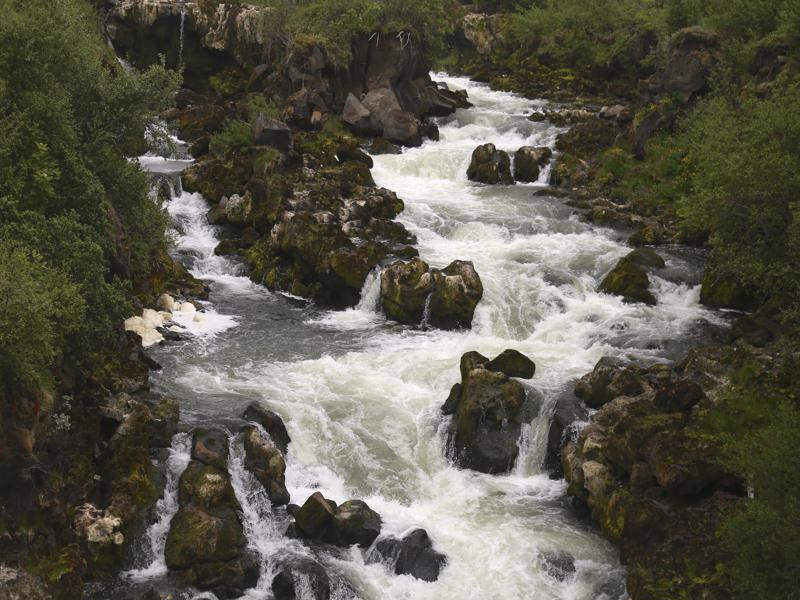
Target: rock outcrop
488, 411
646, 469
490, 165
691, 56
266, 462
484, 32
206, 545
414, 294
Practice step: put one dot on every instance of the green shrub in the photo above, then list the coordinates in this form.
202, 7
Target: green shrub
234, 135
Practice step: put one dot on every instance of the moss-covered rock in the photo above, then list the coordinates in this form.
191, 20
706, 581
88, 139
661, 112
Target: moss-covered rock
457, 289
512, 363
720, 289
490, 165
405, 287
629, 280
528, 161
197, 537
206, 487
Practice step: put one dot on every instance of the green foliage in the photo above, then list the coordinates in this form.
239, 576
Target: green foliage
759, 418
39, 308
70, 200
745, 160
575, 33
337, 24
234, 135
258, 104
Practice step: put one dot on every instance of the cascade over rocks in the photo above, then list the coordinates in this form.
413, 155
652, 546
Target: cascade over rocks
490, 165
528, 161
413, 554
451, 294
206, 545
489, 410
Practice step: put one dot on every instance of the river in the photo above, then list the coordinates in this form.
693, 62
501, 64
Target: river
360, 396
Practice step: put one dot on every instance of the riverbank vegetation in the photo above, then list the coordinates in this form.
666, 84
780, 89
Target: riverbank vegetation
722, 160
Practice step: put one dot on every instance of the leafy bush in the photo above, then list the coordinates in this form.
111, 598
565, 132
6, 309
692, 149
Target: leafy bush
745, 160
71, 203
234, 135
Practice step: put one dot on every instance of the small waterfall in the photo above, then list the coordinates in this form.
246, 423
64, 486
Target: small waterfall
371, 292
425, 321
166, 508
180, 46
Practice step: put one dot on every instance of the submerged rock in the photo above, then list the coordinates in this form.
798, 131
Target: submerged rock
489, 410
629, 280
413, 555
490, 165
558, 565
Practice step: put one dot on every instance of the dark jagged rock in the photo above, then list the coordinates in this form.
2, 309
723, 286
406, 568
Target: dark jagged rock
401, 127
210, 447
488, 417
271, 423
354, 522
528, 161
629, 280
490, 165
266, 462
315, 516
513, 363
303, 573
412, 555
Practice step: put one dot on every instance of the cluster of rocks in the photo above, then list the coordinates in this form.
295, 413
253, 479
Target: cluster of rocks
644, 466
490, 165
414, 294
206, 544
489, 409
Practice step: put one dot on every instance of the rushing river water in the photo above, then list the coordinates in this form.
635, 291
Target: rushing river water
360, 396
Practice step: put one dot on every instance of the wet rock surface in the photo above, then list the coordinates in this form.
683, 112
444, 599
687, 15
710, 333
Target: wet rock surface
413, 554
351, 523
414, 294
644, 466
630, 281
490, 165
488, 410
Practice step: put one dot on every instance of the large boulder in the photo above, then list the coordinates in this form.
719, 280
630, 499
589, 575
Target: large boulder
528, 161
271, 422
629, 280
484, 32
314, 517
206, 487
721, 289
405, 287
354, 522
412, 555
489, 410
568, 413
196, 536
358, 117
401, 127
490, 165
271, 132
457, 289
266, 462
